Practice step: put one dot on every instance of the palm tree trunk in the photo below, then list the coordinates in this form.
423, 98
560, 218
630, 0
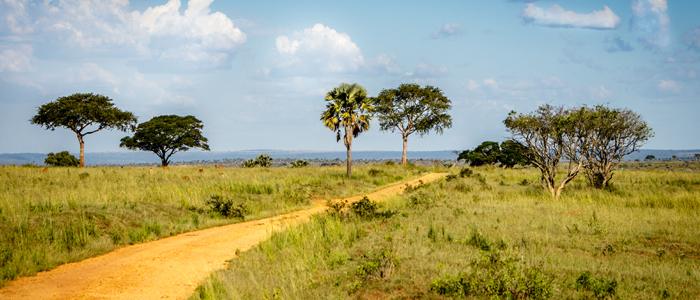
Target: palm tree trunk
82, 151
348, 144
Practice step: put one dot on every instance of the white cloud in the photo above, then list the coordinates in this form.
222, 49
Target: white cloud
669, 86
599, 92
91, 72
322, 50
448, 30
650, 21
160, 35
17, 59
556, 16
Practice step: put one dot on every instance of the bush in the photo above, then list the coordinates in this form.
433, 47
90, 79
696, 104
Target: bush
227, 208
61, 159
466, 172
250, 163
263, 160
493, 276
601, 287
300, 163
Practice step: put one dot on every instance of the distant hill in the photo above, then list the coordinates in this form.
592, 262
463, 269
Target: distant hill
125, 158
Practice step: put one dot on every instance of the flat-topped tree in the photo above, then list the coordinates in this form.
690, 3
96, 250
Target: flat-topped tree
83, 114
167, 135
348, 109
412, 109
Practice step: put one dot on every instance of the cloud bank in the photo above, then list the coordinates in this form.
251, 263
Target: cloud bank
322, 50
556, 16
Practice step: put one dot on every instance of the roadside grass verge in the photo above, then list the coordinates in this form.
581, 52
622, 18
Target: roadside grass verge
493, 234
69, 214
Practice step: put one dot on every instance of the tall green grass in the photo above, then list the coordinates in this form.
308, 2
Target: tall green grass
68, 214
492, 234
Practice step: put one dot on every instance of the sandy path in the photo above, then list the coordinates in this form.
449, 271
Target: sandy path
169, 268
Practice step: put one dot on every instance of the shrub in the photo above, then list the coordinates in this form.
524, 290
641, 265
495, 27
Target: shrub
227, 208
263, 160
61, 159
300, 163
601, 287
390, 163
502, 278
449, 164
250, 163
367, 209
376, 265
466, 172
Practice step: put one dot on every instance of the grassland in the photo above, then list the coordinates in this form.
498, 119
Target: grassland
491, 234
69, 214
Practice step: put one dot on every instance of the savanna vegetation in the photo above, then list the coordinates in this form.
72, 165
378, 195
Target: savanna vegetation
489, 233
68, 214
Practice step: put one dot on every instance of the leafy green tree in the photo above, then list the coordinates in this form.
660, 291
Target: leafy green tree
348, 110
83, 114
249, 163
674, 158
650, 157
167, 135
488, 153
412, 109
549, 134
513, 153
617, 132
61, 159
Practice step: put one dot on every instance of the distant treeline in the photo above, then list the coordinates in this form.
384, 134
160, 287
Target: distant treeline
280, 157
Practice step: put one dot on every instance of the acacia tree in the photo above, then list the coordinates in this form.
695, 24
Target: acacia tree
167, 135
83, 114
550, 134
348, 109
650, 157
617, 132
412, 109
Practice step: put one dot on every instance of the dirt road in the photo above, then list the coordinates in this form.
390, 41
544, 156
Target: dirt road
170, 268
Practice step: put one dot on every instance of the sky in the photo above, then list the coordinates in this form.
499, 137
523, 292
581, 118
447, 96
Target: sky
256, 72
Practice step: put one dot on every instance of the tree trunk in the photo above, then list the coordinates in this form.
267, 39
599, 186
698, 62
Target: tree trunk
348, 144
163, 162
82, 151
405, 146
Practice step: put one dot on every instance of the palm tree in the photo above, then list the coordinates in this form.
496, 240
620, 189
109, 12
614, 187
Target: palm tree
348, 108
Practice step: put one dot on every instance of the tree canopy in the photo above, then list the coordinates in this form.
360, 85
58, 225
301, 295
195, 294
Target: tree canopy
591, 139
348, 109
167, 135
83, 114
61, 159
412, 109
507, 154
549, 134
617, 132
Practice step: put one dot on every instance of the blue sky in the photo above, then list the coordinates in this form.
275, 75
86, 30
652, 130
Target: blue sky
256, 72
